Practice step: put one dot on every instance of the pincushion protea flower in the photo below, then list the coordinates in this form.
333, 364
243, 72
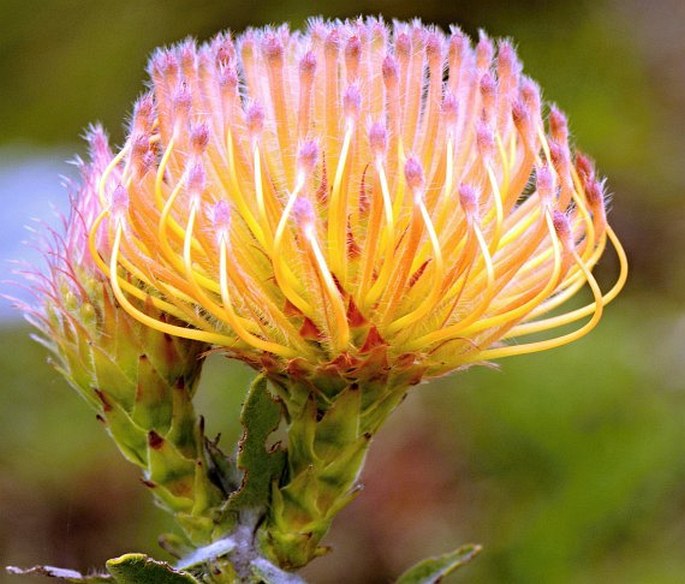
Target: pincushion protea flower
311, 197
350, 210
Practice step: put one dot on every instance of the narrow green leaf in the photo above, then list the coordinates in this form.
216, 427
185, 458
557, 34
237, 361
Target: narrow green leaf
340, 426
260, 416
130, 438
141, 569
301, 438
62, 574
433, 570
153, 401
168, 468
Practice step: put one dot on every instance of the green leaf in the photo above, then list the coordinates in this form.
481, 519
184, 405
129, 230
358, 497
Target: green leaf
260, 416
60, 573
153, 402
141, 569
340, 426
433, 570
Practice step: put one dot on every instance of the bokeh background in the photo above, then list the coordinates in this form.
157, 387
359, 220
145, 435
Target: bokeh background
568, 466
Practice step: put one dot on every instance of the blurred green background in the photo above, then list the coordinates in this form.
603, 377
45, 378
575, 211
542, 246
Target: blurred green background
568, 466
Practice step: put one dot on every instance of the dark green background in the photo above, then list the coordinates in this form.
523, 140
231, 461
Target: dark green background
568, 466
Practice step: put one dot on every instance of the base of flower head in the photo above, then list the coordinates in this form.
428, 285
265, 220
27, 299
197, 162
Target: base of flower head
331, 421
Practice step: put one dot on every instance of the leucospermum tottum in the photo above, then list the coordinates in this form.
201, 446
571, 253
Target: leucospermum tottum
349, 209
308, 197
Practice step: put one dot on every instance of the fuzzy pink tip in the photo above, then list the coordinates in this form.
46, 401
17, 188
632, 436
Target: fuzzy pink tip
413, 173
308, 155
468, 199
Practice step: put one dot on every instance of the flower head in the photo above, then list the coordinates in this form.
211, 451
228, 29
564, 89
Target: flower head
350, 209
315, 198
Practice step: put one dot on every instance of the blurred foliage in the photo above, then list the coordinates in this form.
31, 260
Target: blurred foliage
567, 466
585, 454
